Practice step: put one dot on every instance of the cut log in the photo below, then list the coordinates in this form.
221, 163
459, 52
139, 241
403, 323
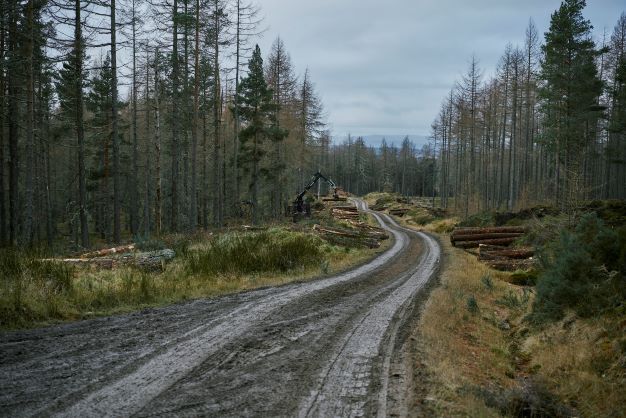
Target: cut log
489, 230
154, 260
474, 244
486, 247
335, 232
108, 251
481, 237
105, 263
346, 208
515, 253
151, 260
398, 211
511, 265
369, 230
253, 228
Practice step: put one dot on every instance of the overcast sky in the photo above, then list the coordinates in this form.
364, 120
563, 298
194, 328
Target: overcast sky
385, 67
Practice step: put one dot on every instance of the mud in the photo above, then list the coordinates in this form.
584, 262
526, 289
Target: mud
331, 347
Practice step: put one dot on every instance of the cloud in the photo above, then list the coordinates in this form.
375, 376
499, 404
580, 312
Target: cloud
384, 68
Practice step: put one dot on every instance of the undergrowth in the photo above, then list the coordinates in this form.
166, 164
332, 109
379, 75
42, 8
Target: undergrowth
35, 292
546, 342
584, 270
255, 252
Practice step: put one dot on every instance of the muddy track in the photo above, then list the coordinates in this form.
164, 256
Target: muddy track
330, 347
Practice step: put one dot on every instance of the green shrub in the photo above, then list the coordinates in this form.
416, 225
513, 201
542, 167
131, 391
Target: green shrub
513, 300
472, 304
481, 219
30, 288
487, 281
584, 270
252, 252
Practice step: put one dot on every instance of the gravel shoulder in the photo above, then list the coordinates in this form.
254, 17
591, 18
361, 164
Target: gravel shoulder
322, 348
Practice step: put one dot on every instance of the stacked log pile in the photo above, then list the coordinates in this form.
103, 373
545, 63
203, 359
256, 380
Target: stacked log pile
398, 211
497, 235
334, 199
492, 244
505, 258
345, 213
372, 231
362, 235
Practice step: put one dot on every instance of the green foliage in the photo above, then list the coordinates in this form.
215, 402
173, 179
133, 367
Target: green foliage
274, 250
523, 278
584, 270
481, 219
24, 274
487, 281
472, 304
514, 300
571, 83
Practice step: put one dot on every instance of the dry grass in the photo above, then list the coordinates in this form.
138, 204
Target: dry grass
463, 345
584, 362
468, 350
29, 298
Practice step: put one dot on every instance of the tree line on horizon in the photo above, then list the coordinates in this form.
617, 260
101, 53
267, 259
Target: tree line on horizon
548, 127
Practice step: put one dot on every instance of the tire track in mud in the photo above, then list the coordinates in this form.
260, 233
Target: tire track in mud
277, 351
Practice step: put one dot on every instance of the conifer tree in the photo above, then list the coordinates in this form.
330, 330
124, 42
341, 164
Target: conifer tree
259, 124
570, 91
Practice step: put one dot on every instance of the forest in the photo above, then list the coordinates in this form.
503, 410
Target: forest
548, 127
132, 118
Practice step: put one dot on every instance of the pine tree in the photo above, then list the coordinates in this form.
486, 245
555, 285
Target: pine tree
570, 91
257, 114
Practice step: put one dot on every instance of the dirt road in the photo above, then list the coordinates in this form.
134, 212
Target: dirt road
331, 347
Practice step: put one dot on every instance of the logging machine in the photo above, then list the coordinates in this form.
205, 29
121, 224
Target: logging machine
299, 207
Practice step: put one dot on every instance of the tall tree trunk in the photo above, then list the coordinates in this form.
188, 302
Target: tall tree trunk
188, 118
147, 186
193, 213
236, 175
13, 109
513, 142
157, 147
255, 181
80, 128
30, 124
134, 201
3, 95
114, 132
45, 146
217, 216
175, 122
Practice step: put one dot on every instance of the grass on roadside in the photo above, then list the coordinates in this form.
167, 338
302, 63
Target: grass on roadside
486, 358
33, 292
464, 344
